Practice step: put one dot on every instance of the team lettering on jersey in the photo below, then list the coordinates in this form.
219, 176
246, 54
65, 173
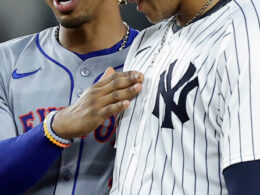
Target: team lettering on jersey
102, 134
28, 119
168, 95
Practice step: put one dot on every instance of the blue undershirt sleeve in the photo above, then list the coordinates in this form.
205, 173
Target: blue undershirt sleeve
25, 159
243, 178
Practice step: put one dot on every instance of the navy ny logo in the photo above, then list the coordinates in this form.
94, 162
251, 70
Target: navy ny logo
169, 93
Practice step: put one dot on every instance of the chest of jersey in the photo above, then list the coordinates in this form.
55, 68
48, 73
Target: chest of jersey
172, 123
41, 86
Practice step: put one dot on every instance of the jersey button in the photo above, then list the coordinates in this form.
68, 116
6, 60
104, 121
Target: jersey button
79, 92
67, 175
85, 72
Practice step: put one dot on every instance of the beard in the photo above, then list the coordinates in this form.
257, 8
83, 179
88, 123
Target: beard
74, 22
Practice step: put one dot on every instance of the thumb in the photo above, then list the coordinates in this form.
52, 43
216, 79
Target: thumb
109, 71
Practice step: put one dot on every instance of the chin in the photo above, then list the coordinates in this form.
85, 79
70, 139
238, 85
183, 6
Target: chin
73, 22
154, 15
153, 19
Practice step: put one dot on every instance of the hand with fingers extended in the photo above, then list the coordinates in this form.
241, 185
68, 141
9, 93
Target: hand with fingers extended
105, 98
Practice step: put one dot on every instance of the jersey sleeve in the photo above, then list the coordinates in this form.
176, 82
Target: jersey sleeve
239, 93
24, 158
7, 127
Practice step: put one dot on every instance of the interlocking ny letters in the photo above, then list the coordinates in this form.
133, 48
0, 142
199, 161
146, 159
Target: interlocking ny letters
168, 95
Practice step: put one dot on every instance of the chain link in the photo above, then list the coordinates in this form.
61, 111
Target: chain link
162, 41
173, 20
200, 12
126, 36
122, 46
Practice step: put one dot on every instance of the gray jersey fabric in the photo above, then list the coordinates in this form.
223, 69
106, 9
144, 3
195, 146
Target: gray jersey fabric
38, 75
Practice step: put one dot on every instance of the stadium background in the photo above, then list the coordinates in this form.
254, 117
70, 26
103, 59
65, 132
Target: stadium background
18, 18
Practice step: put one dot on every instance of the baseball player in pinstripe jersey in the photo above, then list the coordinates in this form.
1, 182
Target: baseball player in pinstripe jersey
194, 128
50, 71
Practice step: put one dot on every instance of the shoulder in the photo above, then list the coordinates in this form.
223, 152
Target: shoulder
9, 54
245, 11
244, 22
238, 15
10, 51
240, 27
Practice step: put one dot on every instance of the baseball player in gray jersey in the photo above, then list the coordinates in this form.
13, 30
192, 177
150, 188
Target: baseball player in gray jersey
43, 151
194, 129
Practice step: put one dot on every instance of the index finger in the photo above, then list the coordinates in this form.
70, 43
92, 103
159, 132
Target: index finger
109, 71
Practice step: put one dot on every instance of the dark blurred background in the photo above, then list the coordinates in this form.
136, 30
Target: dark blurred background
22, 17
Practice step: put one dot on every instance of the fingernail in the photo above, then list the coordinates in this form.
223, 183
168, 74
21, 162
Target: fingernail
106, 70
137, 76
124, 103
136, 86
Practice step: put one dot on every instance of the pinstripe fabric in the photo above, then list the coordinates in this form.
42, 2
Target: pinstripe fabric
221, 127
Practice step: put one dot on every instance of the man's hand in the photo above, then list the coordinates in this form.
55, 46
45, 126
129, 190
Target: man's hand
110, 96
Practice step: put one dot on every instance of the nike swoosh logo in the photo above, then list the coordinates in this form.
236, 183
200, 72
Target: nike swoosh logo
140, 51
17, 75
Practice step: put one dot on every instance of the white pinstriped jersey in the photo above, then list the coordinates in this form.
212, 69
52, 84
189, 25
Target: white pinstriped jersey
198, 111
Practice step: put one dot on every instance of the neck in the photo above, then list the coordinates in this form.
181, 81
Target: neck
104, 31
188, 9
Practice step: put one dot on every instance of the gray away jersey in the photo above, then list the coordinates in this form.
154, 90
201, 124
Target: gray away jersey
198, 112
37, 76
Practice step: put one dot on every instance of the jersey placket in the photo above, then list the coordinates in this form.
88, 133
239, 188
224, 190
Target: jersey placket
143, 117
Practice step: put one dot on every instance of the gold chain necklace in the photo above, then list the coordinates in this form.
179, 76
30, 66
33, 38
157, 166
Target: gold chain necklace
123, 44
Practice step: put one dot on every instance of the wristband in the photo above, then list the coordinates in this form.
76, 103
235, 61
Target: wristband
51, 135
